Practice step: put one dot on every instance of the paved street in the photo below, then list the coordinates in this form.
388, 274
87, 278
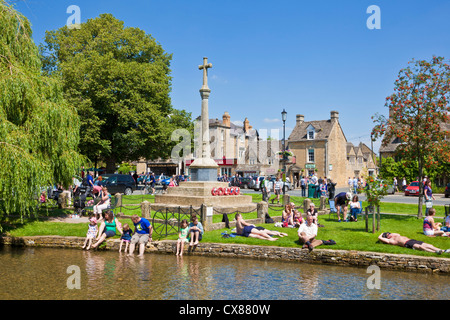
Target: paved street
395, 198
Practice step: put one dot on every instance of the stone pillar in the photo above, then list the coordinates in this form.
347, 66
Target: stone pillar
262, 208
118, 196
146, 209
62, 200
306, 204
286, 199
207, 217
323, 203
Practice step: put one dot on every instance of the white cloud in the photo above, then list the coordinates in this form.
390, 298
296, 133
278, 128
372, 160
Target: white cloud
267, 120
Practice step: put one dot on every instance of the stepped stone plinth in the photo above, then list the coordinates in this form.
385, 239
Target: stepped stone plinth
196, 193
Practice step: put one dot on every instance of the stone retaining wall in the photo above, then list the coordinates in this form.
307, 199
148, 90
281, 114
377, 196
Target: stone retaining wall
324, 256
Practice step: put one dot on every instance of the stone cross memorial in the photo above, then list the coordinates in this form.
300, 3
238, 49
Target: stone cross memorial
201, 190
204, 168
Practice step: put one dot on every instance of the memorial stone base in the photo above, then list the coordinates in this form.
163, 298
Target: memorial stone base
196, 193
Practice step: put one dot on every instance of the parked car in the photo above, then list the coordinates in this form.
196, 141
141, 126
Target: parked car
256, 182
141, 178
159, 179
287, 185
412, 189
447, 190
165, 181
245, 182
119, 183
390, 188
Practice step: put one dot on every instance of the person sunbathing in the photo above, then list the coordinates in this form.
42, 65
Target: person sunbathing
402, 241
249, 230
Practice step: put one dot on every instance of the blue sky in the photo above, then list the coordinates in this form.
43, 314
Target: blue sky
307, 57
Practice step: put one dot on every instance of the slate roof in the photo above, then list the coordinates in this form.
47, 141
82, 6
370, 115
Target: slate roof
322, 129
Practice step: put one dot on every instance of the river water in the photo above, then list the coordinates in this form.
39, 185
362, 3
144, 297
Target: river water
63, 274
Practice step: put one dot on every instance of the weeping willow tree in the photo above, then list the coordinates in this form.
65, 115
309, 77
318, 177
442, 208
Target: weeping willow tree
39, 131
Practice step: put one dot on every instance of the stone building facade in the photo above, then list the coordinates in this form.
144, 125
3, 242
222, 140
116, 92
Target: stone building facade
320, 147
238, 149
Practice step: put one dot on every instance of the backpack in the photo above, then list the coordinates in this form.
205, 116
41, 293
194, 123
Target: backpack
268, 219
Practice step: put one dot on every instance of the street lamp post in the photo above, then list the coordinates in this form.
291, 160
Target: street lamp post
283, 117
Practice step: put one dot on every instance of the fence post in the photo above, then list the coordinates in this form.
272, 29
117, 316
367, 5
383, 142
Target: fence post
306, 204
207, 217
286, 199
145, 209
62, 200
261, 209
323, 203
118, 196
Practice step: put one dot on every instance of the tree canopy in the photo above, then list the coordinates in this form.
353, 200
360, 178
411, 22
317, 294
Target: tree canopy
39, 129
419, 115
118, 78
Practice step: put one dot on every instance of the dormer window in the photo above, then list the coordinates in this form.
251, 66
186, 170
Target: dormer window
311, 131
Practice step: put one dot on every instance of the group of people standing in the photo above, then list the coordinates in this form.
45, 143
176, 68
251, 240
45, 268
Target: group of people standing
322, 186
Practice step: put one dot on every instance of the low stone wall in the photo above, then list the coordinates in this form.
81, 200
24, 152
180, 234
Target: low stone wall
319, 255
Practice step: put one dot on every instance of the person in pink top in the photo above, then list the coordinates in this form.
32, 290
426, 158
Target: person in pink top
431, 228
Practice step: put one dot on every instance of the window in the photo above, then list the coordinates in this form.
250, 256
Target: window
310, 132
225, 171
310, 155
241, 152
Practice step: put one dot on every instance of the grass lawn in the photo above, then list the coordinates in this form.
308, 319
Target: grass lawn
348, 235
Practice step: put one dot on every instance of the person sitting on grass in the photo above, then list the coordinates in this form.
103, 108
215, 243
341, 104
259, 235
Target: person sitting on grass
287, 217
402, 241
431, 228
250, 230
312, 211
307, 233
298, 219
446, 227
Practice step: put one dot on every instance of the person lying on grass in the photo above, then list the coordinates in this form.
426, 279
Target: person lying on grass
402, 241
249, 230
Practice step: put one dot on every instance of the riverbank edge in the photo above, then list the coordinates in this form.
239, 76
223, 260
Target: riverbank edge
402, 262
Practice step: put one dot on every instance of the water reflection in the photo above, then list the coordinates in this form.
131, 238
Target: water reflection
40, 273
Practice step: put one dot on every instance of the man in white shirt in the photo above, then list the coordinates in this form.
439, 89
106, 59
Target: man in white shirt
307, 233
277, 190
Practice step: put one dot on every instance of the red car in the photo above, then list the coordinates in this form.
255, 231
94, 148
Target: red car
412, 189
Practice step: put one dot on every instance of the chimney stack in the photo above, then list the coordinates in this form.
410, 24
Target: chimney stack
300, 118
246, 125
226, 119
334, 116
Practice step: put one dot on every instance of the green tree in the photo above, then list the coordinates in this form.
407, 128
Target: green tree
418, 115
118, 78
39, 130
